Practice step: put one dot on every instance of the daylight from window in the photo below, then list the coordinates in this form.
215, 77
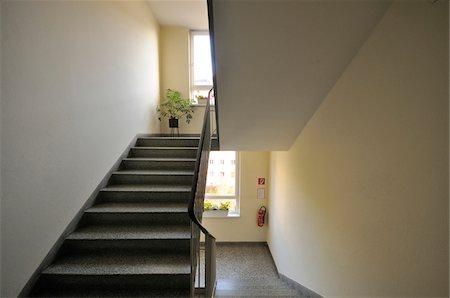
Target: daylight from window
221, 184
201, 64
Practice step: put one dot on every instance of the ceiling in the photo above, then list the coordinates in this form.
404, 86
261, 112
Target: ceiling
192, 14
277, 60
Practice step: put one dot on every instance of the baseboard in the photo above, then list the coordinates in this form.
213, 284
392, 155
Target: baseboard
304, 291
51, 255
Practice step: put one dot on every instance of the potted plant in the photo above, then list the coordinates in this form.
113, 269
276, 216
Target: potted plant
201, 99
212, 210
175, 107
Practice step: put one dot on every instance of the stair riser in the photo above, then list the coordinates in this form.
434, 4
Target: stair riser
136, 218
127, 245
167, 142
177, 153
143, 197
151, 179
157, 165
114, 282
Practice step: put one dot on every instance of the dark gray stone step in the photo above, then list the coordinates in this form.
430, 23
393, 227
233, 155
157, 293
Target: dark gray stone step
131, 188
152, 177
167, 152
126, 232
114, 285
158, 245
122, 196
134, 263
92, 238
148, 207
136, 218
145, 163
106, 292
167, 141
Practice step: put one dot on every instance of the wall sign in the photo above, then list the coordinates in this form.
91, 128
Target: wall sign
261, 181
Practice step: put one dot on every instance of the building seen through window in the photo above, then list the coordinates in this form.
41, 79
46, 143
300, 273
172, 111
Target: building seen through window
222, 180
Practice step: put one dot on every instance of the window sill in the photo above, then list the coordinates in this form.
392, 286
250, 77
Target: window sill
212, 214
201, 105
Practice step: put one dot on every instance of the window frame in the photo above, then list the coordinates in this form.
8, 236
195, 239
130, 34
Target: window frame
192, 86
237, 188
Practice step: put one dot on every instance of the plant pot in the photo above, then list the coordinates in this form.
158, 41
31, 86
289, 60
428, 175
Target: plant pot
215, 213
173, 123
202, 101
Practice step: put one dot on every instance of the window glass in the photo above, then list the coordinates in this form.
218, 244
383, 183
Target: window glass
201, 66
223, 186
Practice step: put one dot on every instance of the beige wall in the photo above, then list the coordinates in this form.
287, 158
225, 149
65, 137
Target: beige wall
80, 79
244, 228
359, 204
1, 196
175, 70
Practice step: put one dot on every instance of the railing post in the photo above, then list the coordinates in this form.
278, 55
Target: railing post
210, 265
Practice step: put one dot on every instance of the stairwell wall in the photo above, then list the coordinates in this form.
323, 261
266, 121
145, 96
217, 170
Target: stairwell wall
359, 204
1, 193
81, 79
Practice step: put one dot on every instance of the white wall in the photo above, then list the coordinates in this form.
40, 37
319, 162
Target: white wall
359, 204
244, 228
1, 194
80, 79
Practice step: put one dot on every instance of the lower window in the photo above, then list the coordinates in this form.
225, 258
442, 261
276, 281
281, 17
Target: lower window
222, 184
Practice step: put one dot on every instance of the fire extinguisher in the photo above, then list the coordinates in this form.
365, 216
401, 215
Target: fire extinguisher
261, 214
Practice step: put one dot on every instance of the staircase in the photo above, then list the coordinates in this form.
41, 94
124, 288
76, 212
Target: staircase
134, 240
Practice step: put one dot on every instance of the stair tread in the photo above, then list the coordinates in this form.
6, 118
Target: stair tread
171, 138
126, 207
155, 172
134, 263
159, 159
165, 148
149, 188
107, 292
120, 232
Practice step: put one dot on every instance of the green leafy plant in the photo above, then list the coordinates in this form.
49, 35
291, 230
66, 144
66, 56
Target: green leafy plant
208, 206
224, 206
175, 106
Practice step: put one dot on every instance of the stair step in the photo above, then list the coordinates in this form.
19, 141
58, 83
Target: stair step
167, 152
111, 285
134, 218
128, 292
155, 172
147, 163
146, 188
168, 141
120, 264
138, 208
152, 177
111, 232
111, 196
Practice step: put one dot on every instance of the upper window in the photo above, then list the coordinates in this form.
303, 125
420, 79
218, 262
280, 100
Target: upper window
201, 67
224, 186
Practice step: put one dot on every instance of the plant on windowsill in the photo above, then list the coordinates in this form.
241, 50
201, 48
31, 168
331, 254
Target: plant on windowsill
201, 100
215, 210
175, 107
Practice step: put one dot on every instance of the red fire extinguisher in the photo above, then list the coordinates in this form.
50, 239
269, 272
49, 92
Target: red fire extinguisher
261, 214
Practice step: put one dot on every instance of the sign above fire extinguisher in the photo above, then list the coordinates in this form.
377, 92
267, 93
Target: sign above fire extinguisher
261, 181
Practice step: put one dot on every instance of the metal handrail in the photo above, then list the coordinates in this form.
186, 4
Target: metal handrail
213, 64
196, 208
191, 205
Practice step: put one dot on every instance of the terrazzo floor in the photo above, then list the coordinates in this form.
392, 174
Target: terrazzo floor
247, 270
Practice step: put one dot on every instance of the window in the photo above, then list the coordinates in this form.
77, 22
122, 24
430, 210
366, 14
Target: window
224, 187
201, 67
